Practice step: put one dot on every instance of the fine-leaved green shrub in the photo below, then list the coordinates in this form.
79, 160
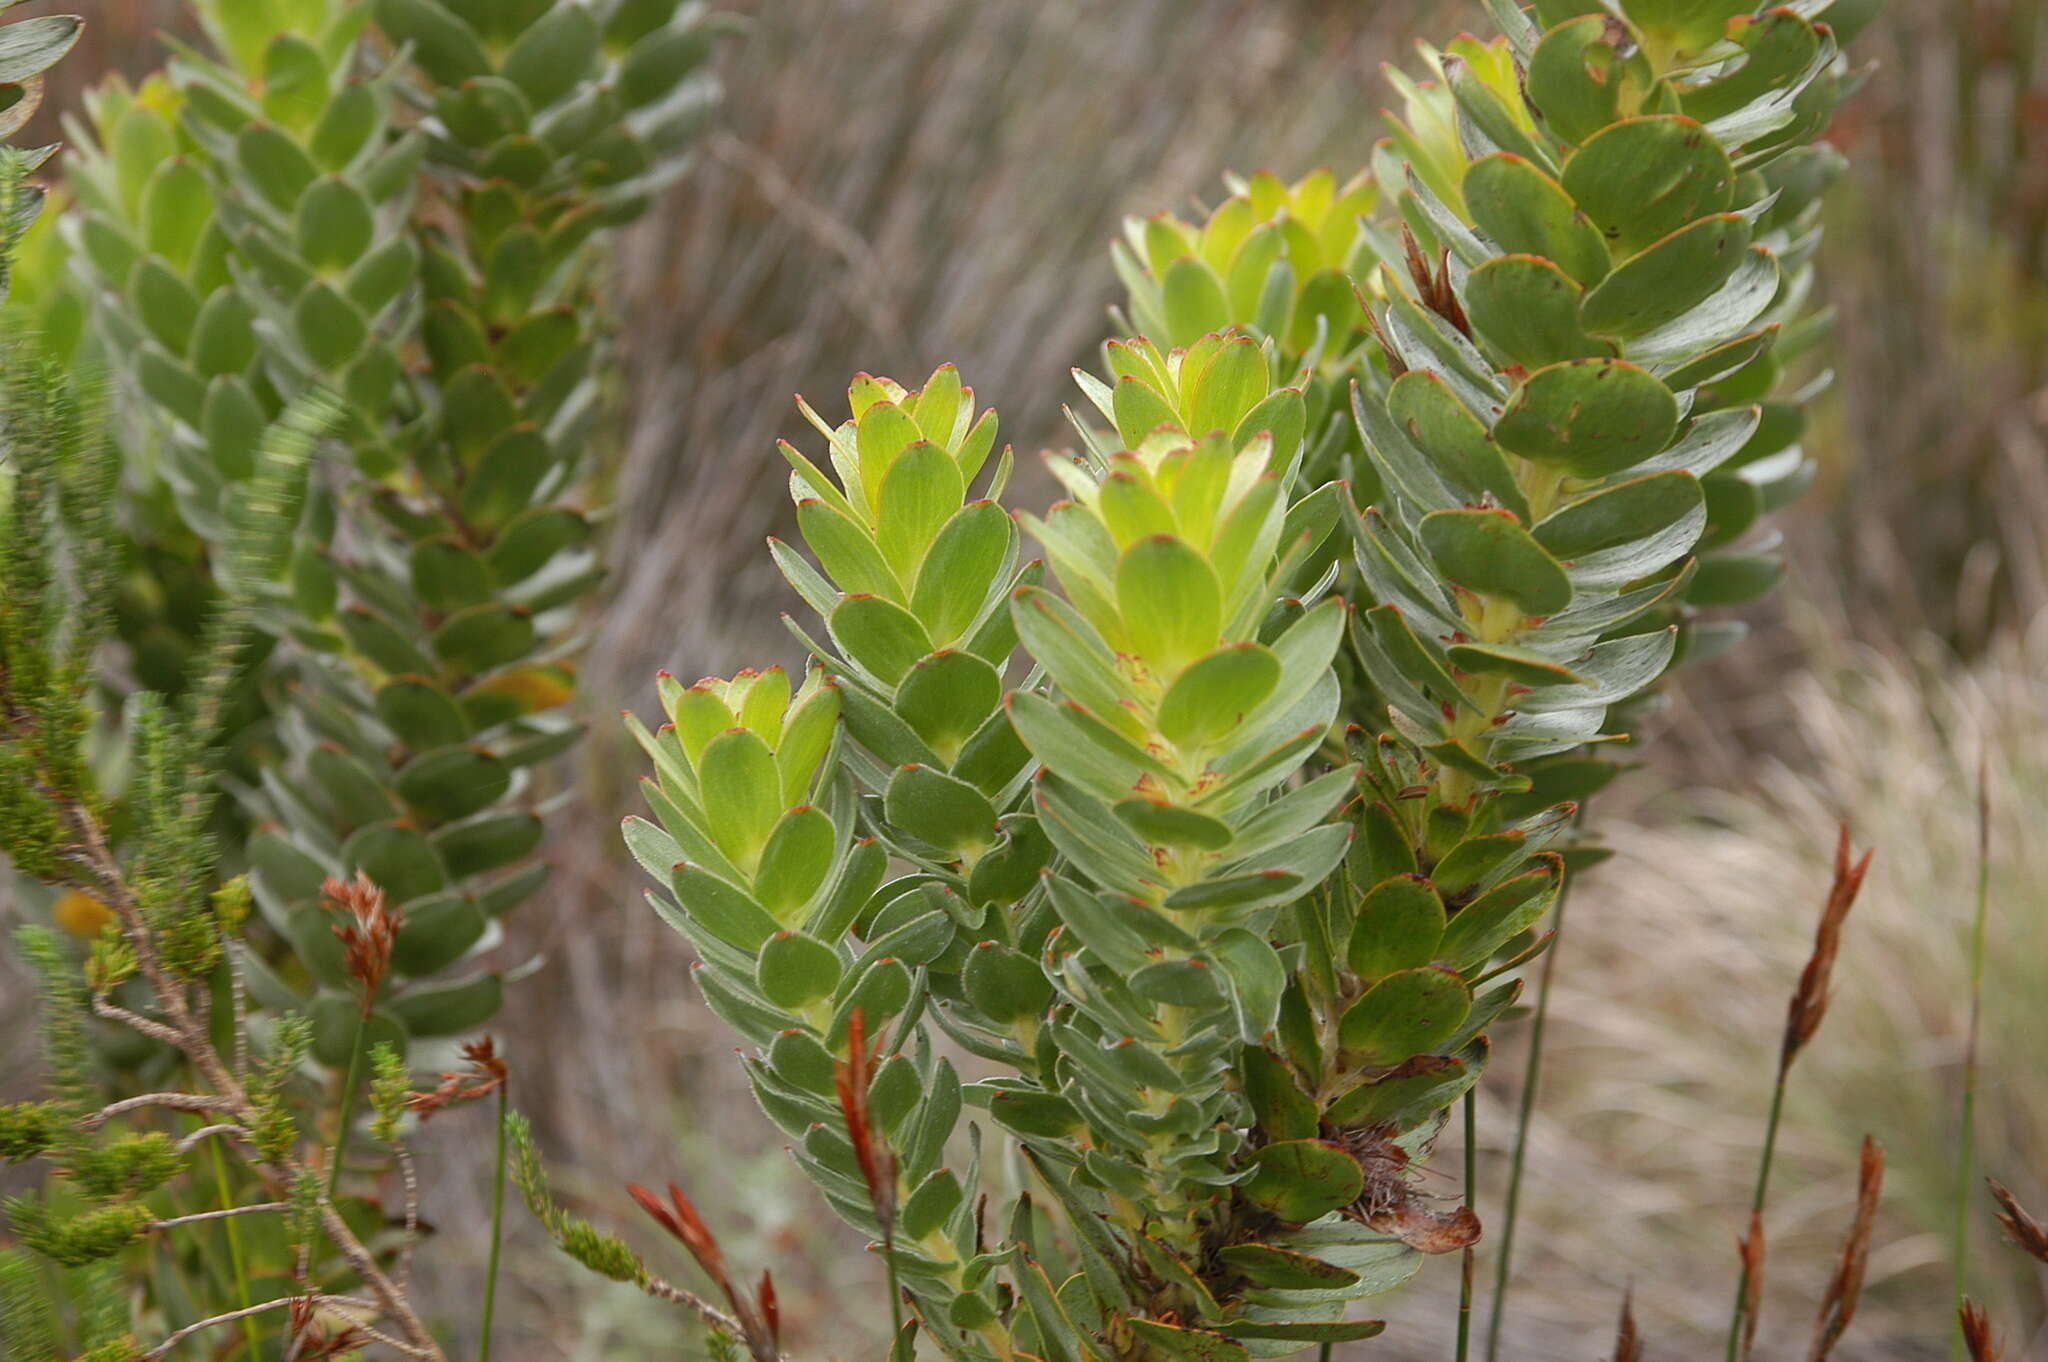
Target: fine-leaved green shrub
1218, 838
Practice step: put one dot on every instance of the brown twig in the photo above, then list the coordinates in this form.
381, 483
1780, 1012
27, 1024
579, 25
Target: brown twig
294, 1303
690, 1300
176, 1101
104, 1007
409, 1175
204, 1133
200, 1217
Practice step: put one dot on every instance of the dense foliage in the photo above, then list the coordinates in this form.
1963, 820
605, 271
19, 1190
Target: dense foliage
1224, 881
341, 273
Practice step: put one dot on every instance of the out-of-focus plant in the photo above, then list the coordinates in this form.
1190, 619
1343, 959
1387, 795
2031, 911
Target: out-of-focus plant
298, 212
164, 964
394, 213
27, 50
1230, 905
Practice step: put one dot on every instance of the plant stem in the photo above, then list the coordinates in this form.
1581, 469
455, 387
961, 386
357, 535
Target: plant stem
235, 1254
1756, 1205
497, 1225
348, 1104
895, 1291
1471, 1196
1966, 1144
1531, 1072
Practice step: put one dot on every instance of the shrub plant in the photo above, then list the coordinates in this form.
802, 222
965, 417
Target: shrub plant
297, 212
342, 270
1114, 932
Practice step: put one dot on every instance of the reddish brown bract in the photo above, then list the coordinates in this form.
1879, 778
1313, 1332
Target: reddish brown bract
368, 931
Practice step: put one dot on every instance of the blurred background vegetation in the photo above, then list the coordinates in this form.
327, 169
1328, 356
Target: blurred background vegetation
897, 183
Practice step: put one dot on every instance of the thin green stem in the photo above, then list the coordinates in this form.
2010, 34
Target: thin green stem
895, 1291
235, 1253
349, 1085
1532, 1070
1756, 1207
1966, 1143
1471, 1196
497, 1224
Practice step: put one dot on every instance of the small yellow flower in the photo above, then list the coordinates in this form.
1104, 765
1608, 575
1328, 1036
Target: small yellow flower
82, 915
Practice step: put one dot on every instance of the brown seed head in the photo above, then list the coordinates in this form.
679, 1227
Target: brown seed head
1838, 1306
679, 1217
2026, 1233
1810, 1001
485, 1074
368, 930
1978, 1340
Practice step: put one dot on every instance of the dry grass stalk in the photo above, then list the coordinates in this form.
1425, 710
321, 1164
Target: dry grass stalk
1803, 1017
